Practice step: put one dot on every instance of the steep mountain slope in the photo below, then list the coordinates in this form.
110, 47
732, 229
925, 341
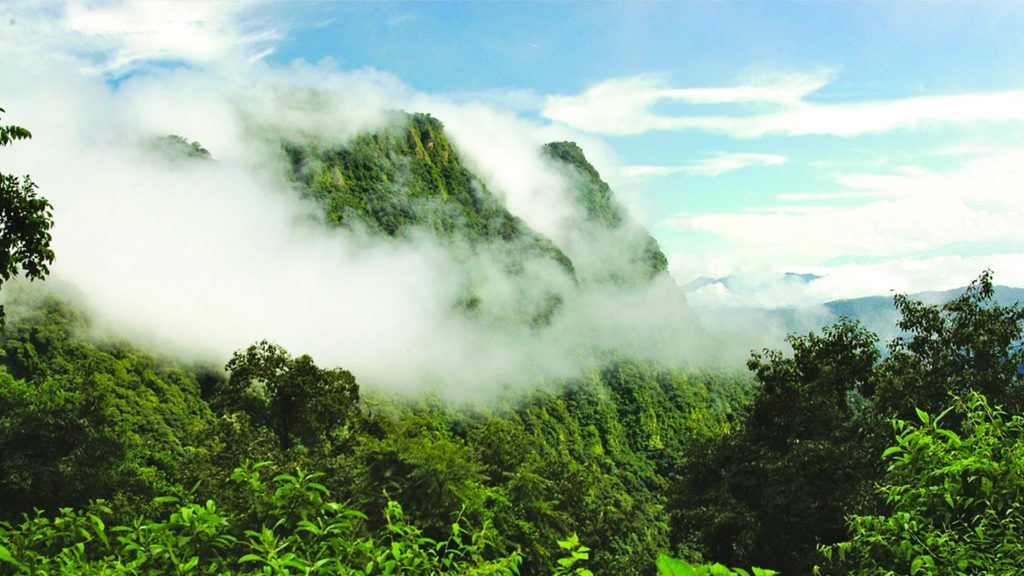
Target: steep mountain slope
625, 251
409, 176
409, 179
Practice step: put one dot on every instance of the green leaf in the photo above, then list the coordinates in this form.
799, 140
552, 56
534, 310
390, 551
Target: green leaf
922, 415
6, 556
892, 450
920, 563
720, 570
671, 567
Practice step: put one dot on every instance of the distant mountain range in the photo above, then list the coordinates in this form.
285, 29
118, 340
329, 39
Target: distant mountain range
878, 312
731, 281
760, 326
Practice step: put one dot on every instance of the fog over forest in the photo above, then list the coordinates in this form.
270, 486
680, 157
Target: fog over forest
202, 258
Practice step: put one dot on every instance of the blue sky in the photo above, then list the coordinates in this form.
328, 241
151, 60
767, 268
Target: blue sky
875, 144
850, 53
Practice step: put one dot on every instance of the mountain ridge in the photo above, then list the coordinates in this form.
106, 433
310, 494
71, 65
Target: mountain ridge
410, 176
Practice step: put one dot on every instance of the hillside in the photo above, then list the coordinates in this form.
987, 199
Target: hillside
408, 179
86, 419
599, 446
409, 176
89, 417
628, 253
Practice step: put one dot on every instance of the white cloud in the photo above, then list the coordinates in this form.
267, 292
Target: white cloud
917, 210
821, 196
757, 306
624, 105
907, 216
777, 105
768, 287
120, 36
201, 259
714, 166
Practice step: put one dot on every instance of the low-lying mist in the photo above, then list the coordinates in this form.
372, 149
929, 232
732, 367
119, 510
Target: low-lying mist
201, 258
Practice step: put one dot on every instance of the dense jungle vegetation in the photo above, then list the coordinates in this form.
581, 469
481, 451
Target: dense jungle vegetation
839, 455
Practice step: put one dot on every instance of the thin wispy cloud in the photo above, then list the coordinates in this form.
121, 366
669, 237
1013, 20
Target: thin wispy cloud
118, 37
779, 105
821, 196
761, 288
402, 19
626, 105
714, 166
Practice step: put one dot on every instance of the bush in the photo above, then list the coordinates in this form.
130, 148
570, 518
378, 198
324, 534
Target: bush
954, 500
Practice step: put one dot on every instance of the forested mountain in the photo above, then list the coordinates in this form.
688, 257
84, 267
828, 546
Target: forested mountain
408, 178
606, 221
86, 419
122, 459
880, 312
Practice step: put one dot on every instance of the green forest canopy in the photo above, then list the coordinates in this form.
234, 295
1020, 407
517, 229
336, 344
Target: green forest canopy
836, 457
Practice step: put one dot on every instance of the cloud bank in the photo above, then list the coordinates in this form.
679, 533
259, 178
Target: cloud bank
204, 258
781, 104
715, 166
910, 229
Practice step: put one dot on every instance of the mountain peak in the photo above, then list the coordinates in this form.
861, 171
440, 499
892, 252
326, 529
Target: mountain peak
639, 256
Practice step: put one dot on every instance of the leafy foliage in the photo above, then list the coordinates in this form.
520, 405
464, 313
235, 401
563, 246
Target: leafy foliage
786, 478
673, 567
178, 147
809, 450
25, 222
292, 528
81, 420
968, 344
638, 459
297, 400
575, 555
10, 133
953, 501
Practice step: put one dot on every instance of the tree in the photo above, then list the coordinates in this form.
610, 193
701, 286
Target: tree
954, 501
971, 343
300, 402
176, 147
25, 222
82, 419
809, 449
769, 493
